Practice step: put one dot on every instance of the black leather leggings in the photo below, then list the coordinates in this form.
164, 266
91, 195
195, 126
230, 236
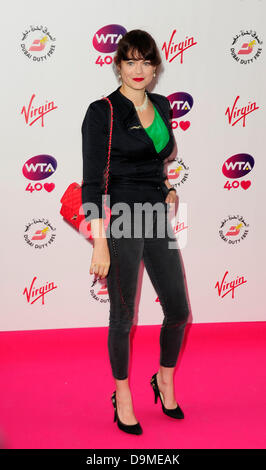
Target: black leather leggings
164, 268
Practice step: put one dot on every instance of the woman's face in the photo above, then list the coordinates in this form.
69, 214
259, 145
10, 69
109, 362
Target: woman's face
133, 68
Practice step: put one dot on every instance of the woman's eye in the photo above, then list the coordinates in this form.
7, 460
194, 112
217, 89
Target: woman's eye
130, 62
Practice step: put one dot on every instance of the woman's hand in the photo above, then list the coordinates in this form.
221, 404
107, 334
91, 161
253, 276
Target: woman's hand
100, 261
171, 197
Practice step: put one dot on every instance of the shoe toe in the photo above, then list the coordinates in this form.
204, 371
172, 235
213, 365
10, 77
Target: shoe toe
130, 428
175, 413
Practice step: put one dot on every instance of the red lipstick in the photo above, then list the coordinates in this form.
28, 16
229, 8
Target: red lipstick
138, 79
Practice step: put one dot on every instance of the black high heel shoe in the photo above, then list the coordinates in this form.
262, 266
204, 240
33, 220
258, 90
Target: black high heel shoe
173, 413
130, 428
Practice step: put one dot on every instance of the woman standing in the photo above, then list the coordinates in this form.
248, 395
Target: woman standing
142, 140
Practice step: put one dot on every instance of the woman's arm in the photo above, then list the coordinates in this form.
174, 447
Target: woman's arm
95, 133
167, 183
170, 111
94, 152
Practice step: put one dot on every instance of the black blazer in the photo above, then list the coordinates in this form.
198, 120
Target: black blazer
133, 161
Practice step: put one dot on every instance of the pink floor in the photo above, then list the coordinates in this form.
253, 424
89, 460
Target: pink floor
55, 389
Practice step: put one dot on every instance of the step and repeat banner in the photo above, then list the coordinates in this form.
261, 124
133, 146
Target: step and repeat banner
56, 60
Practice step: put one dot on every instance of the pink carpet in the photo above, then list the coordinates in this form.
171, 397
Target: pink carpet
56, 386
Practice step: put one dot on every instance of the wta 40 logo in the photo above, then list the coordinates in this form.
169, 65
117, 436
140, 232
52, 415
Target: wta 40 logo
235, 167
105, 40
181, 104
38, 168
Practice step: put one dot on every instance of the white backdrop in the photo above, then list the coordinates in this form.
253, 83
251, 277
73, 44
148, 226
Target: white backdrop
51, 71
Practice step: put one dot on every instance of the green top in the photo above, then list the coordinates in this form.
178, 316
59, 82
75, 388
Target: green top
158, 132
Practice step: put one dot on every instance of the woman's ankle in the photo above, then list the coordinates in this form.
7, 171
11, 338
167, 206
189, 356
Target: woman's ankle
165, 380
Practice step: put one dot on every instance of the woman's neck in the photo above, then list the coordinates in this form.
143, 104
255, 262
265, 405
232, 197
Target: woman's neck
136, 96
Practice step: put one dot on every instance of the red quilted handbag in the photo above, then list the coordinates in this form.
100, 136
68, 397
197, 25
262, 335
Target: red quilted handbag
72, 210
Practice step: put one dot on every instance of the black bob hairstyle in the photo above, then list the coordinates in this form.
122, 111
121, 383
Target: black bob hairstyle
138, 41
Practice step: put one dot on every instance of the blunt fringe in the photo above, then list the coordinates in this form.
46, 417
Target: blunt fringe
142, 46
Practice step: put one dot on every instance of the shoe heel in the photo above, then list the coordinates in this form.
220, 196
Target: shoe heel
156, 391
129, 428
173, 413
114, 405
156, 394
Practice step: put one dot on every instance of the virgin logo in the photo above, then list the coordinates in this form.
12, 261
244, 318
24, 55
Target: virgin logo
35, 293
106, 38
179, 227
33, 113
236, 114
226, 287
174, 49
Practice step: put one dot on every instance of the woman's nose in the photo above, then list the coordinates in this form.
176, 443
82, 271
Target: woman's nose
139, 67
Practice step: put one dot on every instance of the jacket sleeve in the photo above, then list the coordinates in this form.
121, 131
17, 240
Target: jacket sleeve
170, 117
170, 111
94, 153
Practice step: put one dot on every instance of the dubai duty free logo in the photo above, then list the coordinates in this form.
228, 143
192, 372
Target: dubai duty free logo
99, 290
233, 229
37, 44
39, 233
177, 172
246, 47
